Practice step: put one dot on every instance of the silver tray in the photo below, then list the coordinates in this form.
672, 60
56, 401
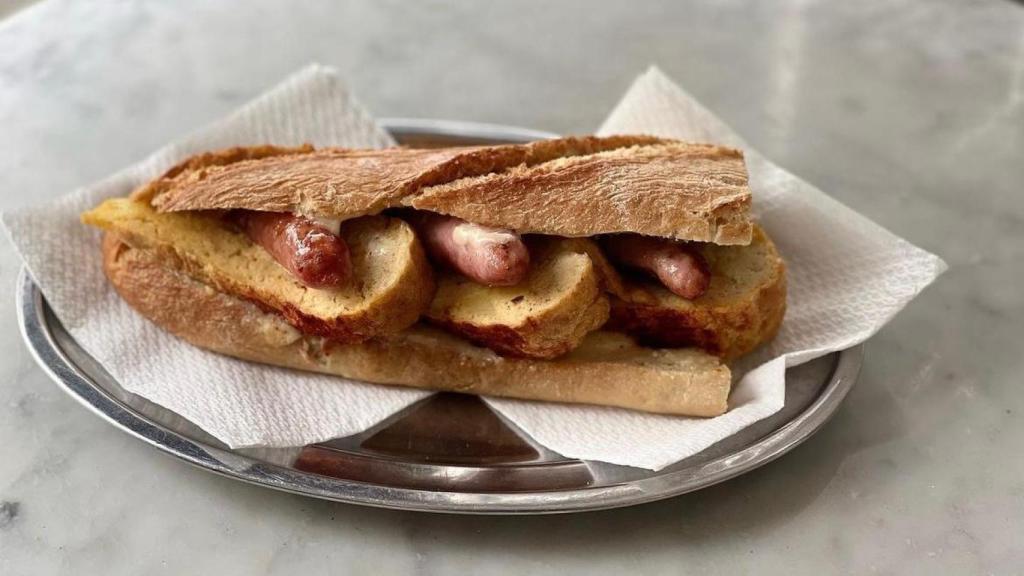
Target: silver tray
448, 453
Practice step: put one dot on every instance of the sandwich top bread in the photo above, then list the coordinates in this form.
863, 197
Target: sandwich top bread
536, 271
564, 187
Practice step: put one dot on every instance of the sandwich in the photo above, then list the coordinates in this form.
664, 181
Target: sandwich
617, 271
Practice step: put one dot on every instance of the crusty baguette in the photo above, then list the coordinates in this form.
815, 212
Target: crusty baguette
341, 183
607, 369
672, 189
393, 282
544, 316
571, 187
742, 308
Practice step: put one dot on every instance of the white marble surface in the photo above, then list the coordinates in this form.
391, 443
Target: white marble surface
911, 112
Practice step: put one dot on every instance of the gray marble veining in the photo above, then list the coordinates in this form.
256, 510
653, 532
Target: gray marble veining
911, 112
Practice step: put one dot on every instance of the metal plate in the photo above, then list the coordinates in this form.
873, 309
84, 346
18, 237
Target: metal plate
448, 453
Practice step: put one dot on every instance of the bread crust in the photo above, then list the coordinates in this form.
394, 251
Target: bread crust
607, 370
674, 190
573, 187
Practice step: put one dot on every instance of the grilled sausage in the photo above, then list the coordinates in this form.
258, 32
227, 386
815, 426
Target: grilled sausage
313, 254
490, 256
680, 268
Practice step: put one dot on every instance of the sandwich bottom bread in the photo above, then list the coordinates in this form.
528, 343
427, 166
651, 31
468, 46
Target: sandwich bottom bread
684, 381
620, 271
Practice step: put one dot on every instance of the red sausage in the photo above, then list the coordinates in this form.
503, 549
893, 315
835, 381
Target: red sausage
680, 268
313, 254
490, 256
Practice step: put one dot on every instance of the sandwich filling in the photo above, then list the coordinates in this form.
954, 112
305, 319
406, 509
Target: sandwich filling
316, 255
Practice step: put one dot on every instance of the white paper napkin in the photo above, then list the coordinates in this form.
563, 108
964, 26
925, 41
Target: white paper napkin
833, 303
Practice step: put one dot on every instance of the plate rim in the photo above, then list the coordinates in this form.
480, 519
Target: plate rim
38, 336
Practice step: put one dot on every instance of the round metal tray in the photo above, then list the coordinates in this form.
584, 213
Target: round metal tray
448, 453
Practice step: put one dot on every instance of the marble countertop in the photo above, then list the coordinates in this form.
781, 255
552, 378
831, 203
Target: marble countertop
910, 112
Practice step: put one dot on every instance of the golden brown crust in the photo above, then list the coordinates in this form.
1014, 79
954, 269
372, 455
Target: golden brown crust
608, 369
334, 183
568, 187
674, 190
743, 308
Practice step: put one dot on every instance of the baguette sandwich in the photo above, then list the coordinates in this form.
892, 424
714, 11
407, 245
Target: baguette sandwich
621, 271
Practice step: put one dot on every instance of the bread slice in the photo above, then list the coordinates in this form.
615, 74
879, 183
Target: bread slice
342, 183
671, 189
572, 187
742, 308
606, 369
544, 316
392, 280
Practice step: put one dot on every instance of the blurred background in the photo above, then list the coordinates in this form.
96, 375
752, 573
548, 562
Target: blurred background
909, 111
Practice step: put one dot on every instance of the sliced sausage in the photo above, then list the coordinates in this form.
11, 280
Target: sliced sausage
313, 254
679, 267
490, 256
